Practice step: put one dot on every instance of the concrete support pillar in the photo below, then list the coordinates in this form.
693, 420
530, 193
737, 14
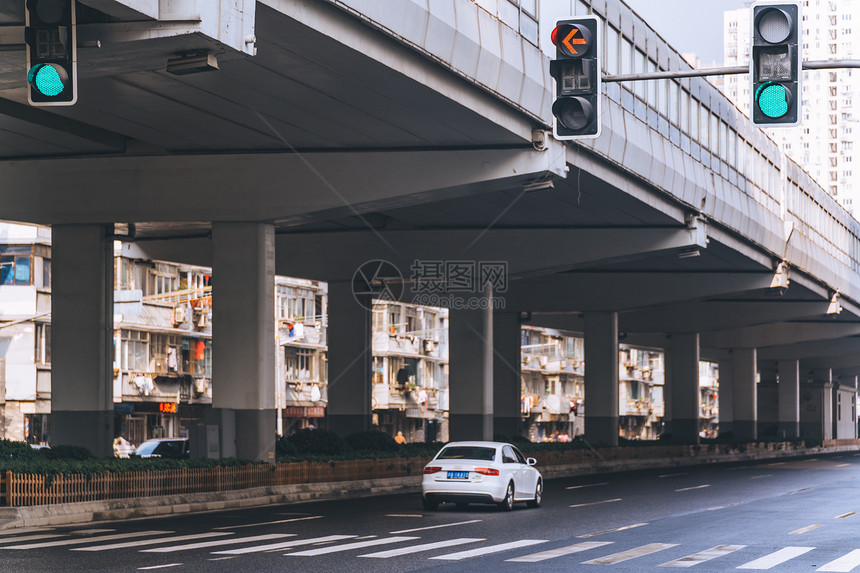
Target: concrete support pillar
82, 337
507, 375
350, 359
725, 398
243, 334
601, 378
470, 355
684, 386
789, 398
744, 398
767, 400
816, 413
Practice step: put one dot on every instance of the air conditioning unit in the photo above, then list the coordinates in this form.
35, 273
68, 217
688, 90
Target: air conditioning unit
429, 346
203, 321
543, 361
180, 315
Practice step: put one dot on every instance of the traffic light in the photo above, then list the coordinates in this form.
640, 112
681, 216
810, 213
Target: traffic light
576, 70
775, 64
51, 52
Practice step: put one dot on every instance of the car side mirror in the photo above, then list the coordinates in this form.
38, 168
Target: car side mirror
531, 461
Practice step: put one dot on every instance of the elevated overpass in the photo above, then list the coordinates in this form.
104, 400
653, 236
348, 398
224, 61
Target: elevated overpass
336, 132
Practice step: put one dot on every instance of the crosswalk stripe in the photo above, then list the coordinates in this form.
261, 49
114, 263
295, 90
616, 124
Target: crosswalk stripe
268, 522
350, 546
623, 528
165, 566
845, 563
489, 549
423, 547
34, 537
143, 542
702, 556
79, 541
694, 487
776, 558
231, 541
282, 545
22, 530
844, 515
630, 554
560, 552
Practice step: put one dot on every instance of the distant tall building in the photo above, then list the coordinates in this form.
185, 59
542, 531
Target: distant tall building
825, 142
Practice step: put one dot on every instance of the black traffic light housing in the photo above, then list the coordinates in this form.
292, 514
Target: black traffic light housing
775, 64
576, 69
51, 38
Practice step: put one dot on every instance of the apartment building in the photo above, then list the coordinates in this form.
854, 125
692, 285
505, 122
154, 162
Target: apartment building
826, 141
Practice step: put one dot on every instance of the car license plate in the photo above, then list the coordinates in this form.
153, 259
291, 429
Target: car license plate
458, 475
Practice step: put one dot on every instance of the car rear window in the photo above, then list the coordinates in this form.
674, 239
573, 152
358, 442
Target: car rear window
467, 453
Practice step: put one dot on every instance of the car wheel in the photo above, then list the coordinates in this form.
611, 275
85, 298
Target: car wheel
461, 505
538, 495
507, 504
429, 504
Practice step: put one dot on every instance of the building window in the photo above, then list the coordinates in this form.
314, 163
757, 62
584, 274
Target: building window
15, 269
134, 351
197, 357
46, 273
299, 364
161, 280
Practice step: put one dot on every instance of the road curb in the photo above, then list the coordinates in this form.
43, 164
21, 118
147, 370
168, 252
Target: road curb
159, 506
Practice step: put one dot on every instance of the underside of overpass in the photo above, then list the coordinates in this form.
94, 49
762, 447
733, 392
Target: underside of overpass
328, 142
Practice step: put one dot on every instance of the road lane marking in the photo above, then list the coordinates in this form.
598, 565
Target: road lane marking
79, 540
725, 506
614, 558
811, 460
694, 487
282, 545
845, 563
775, 558
762, 476
268, 522
160, 566
624, 528
586, 485
220, 558
350, 546
489, 549
435, 526
673, 475
596, 502
231, 541
560, 552
143, 542
423, 547
843, 465
703, 556
404, 515
844, 515
803, 530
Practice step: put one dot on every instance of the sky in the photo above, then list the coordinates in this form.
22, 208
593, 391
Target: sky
677, 21
688, 25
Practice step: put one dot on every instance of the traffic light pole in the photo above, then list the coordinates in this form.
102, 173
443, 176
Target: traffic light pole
725, 71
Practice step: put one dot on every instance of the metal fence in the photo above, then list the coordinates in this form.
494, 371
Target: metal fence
33, 489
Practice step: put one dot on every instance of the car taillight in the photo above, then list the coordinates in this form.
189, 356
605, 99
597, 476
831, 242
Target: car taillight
487, 471
433, 470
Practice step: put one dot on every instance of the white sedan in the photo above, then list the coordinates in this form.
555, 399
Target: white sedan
481, 472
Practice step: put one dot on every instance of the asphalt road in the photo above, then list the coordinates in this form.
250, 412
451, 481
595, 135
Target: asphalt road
793, 515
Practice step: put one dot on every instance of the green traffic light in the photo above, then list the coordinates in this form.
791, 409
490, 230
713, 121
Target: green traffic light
48, 79
772, 99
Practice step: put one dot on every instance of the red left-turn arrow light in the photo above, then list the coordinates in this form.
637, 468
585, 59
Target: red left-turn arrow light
572, 40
